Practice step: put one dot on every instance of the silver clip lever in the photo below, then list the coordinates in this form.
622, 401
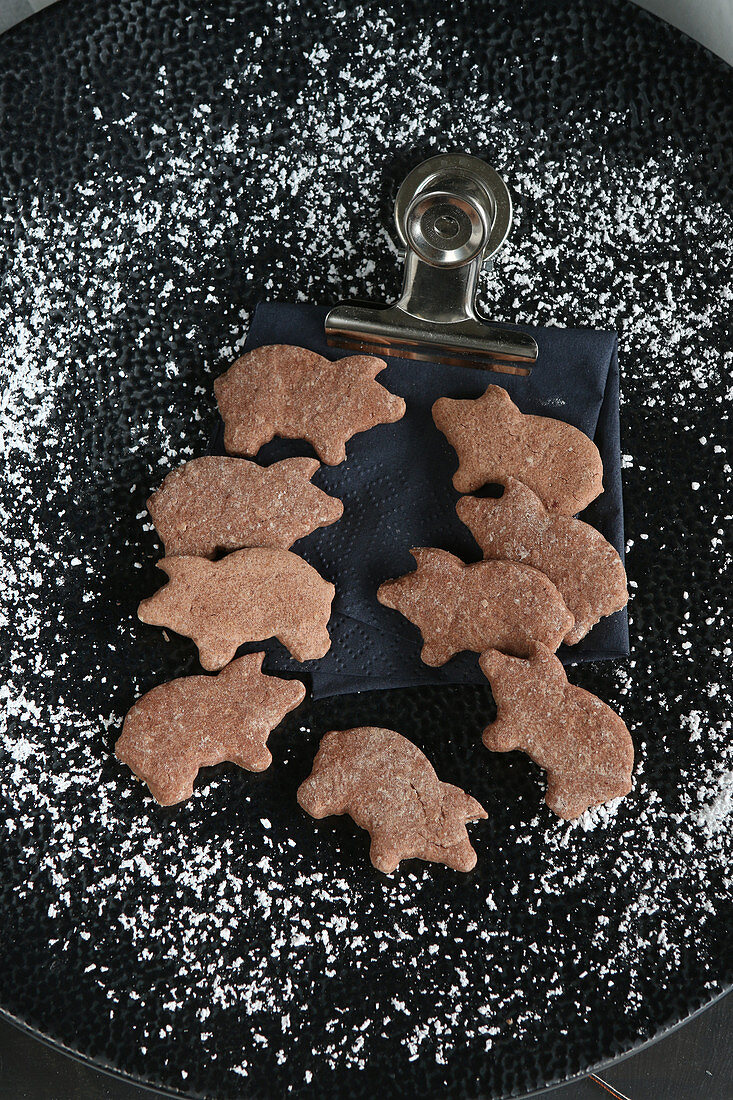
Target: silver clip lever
453, 213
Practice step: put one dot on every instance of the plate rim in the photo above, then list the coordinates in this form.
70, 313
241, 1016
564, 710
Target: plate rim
157, 1090
111, 1070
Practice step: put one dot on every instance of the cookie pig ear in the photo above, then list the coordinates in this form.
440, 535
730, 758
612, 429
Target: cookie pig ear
465, 806
170, 566
498, 395
516, 492
423, 555
429, 556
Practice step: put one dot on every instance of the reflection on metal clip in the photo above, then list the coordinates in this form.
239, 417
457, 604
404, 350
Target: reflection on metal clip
453, 213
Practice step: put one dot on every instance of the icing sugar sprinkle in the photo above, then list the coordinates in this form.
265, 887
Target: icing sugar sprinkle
76, 279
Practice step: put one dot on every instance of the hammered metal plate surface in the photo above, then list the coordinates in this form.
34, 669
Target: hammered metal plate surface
163, 166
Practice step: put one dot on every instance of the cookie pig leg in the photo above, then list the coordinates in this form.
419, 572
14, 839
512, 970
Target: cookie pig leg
213, 655
330, 451
461, 857
382, 854
174, 788
259, 764
564, 801
435, 654
501, 735
304, 645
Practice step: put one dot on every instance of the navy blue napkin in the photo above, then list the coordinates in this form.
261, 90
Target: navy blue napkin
397, 492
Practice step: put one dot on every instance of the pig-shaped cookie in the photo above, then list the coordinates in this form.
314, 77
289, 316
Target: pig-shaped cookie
494, 440
582, 744
197, 721
390, 789
214, 503
490, 604
583, 566
293, 392
247, 596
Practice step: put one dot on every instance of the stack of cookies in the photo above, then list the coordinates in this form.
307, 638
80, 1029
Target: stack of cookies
228, 524
546, 578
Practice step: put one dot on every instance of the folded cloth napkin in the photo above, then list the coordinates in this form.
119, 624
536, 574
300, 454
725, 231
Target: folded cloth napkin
397, 492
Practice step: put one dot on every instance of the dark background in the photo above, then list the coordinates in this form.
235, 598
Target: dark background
694, 1062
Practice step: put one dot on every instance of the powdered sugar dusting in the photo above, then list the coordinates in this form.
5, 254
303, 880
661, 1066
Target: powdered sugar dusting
256, 919
714, 814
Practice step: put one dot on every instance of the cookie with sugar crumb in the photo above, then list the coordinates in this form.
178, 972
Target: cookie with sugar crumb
494, 440
197, 721
583, 745
216, 503
476, 607
296, 393
247, 596
389, 787
583, 566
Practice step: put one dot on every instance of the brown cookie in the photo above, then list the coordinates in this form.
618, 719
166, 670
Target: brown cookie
292, 392
491, 604
390, 789
245, 597
582, 744
198, 721
214, 503
494, 440
582, 565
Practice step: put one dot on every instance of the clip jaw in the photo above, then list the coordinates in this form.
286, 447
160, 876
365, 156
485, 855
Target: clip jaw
453, 213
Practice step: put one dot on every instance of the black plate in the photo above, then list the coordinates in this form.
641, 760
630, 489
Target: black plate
163, 166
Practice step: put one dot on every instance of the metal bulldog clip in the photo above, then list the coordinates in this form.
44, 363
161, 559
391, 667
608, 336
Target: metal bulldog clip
453, 213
